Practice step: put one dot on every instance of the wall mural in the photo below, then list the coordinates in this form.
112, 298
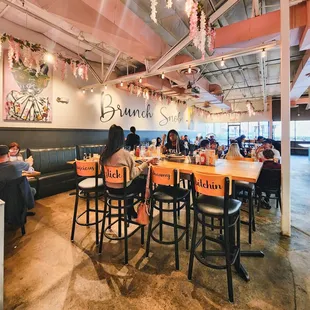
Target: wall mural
163, 114
27, 92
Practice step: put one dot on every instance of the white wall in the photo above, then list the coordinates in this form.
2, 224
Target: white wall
84, 110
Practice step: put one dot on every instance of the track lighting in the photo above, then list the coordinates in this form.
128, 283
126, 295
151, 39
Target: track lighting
263, 53
189, 69
222, 62
163, 75
91, 90
105, 87
83, 91
122, 84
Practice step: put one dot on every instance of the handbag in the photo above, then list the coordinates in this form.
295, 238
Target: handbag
144, 206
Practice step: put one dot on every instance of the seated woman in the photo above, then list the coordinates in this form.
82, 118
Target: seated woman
174, 144
158, 141
115, 155
14, 152
234, 152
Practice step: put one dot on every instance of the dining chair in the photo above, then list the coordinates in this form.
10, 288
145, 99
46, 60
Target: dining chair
212, 199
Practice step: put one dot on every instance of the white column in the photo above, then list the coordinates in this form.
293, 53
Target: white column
1, 252
285, 117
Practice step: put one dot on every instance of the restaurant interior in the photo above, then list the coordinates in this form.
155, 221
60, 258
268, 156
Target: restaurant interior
155, 154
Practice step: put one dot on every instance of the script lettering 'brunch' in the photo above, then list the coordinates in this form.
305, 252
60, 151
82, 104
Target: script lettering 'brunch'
108, 111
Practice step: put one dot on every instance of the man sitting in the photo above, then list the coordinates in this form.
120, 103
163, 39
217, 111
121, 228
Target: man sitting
269, 163
267, 145
10, 170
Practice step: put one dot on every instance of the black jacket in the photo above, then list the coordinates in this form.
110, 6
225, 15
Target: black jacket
132, 140
18, 199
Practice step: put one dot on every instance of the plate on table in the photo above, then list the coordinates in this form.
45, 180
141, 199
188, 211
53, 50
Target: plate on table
175, 157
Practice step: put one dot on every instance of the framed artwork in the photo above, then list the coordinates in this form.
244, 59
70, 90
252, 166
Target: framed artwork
27, 92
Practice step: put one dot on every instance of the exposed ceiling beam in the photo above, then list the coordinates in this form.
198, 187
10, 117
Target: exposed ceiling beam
198, 62
186, 39
112, 66
301, 81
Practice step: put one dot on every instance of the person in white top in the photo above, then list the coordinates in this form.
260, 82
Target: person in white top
14, 151
267, 145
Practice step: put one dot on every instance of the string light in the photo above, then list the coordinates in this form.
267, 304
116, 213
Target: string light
105, 87
49, 58
189, 69
83, 91
91, 90
163, 75
140, 80
222, 62
263, 53
122, 84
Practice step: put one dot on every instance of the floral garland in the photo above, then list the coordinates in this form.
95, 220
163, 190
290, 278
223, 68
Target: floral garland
32, 56
148, 95
201, 31
153, 10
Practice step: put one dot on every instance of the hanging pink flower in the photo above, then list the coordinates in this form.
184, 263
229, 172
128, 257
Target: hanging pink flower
188, 7
193, 21
11, 53
86, 72
63, 70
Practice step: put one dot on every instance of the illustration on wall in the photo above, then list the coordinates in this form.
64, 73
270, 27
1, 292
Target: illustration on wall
27, 93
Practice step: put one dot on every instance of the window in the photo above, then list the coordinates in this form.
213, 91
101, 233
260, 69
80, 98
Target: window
220, 130
245, 129
264, 129
302, 130
209, 128
292, 131
276, 130
253, 130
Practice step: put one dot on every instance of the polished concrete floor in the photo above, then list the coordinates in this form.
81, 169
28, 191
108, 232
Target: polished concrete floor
44, 270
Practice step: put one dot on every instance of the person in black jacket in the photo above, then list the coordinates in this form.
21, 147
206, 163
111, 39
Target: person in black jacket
240, 141
132, 139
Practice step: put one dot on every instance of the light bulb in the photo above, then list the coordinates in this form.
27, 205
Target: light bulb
92, 90
83, 91
140, 80
122, 84
105, 87
163, 75
189, 69
222, 62
49, 58
263, 53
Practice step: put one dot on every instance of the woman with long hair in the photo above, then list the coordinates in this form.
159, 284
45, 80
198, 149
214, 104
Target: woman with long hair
234, 152
115, 155
158, 141
174, 144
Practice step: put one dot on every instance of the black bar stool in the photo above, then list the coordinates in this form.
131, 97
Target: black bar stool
214, 201
119, 175
164, 188
90, 184
245, 190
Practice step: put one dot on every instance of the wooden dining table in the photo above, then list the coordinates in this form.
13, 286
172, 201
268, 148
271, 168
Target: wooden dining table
32, 174
237, 170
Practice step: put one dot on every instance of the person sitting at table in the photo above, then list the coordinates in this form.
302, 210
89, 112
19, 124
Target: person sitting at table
158, 141
115, 155
269, 163
204, 144
174, 144
196, 142
234, 152
11, 170
276, 144
14, 151
212, 139
132, 139
267, 145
